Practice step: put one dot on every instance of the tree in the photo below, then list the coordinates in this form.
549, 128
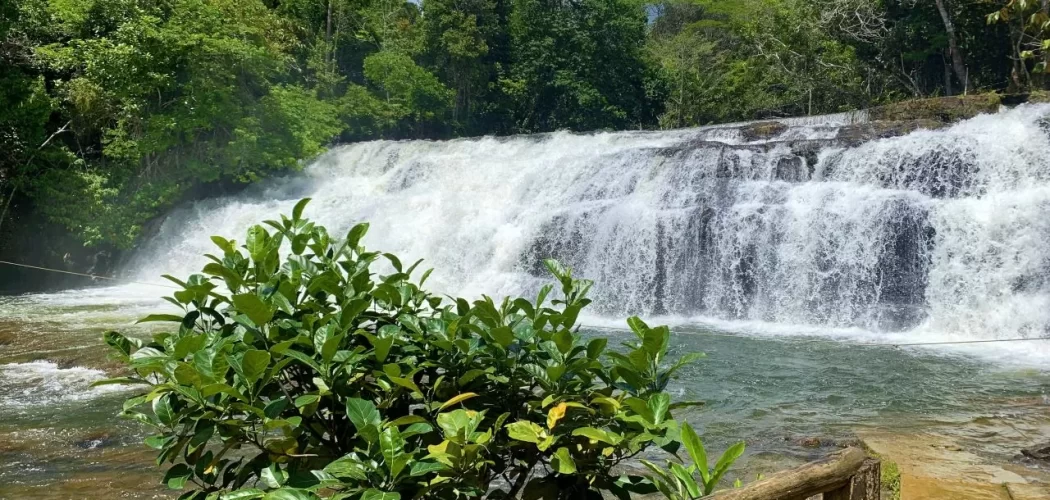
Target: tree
580, 65
1029, 22
460, 35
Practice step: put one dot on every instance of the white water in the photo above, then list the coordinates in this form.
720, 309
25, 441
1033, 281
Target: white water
931, 236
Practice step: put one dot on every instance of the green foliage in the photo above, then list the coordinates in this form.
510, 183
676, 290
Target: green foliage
116, 110
686, 483
580, 65
412, 90
306, 375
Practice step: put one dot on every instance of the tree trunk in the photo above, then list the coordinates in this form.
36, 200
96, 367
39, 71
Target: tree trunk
328, 24
958, 64
947, 76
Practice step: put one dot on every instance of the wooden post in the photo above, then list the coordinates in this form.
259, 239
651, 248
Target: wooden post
865, 484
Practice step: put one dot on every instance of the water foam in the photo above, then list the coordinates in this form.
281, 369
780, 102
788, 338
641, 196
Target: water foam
42, 383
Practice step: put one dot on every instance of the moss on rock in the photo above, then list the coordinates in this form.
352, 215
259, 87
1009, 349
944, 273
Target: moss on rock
939, 109
762, 130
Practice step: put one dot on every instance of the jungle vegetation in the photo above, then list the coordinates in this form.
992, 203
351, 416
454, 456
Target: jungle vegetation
113, 111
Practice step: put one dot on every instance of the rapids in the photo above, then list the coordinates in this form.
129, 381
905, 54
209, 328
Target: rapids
938, 234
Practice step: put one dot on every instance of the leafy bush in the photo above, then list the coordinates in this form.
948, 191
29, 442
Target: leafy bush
314, 377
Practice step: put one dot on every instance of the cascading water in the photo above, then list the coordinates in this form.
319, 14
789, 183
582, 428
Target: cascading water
945, 230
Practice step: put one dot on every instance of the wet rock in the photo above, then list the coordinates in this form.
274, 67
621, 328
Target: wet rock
792, 169
9, 445
849, 443
880, 129
810, 442
6, 338
1038, 452
94, 441
762, 130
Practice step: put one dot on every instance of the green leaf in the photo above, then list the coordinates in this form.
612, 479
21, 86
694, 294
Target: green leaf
637, 325
160, 317
225, 245
119, 381
253, 364
526, 431
297, 212
177, 476
406, 420
348, 466
290, 494
273, 476
244, 494
563, 462
306, 399
211, 364
258, 243
696, 450
659, 404
382, 346
503, 335
163, 410
392, 445
598, 435
654, 341
641, 407
251, 305
157, 442
374, 494
274, 408
425, 467
563, 339
305, 359
353, 238
362, 414
723, 464
188, 345
685, 476
406, 383
596, 347
120, 343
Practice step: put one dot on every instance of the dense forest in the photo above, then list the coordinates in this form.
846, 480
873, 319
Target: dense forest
115, 110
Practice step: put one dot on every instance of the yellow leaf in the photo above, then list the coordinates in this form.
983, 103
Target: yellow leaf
555, 414
437, 449
458, 399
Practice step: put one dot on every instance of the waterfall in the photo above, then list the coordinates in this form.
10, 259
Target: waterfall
937, 230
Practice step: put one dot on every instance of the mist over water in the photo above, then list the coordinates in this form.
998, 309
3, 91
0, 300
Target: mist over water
933, 235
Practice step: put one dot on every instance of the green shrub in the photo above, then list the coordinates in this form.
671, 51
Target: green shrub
315, 377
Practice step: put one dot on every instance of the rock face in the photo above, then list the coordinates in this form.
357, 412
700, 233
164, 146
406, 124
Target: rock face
1039, 452
937, 466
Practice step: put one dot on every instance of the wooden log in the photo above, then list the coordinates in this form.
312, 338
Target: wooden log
828, 474
866, 484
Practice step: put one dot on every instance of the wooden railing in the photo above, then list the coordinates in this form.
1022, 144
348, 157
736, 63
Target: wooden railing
845, 475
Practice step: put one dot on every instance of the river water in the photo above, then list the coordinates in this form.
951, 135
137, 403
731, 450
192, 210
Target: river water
797, 260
